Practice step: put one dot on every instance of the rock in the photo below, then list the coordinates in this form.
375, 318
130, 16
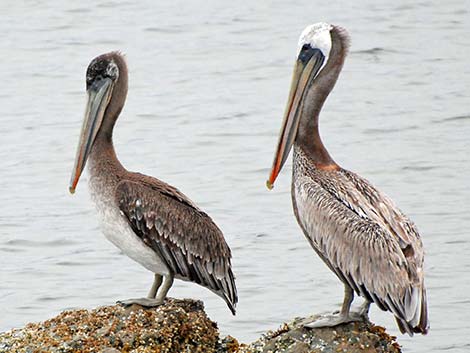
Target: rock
177, 326
181, 326
363, 337
110, 350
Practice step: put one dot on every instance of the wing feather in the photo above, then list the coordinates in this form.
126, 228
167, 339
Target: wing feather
367, 241
187, 240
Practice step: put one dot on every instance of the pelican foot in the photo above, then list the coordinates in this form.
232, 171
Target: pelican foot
333, 320
145, 302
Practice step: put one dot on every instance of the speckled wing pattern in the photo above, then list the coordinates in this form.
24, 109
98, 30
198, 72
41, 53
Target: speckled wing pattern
365, 239
184, 237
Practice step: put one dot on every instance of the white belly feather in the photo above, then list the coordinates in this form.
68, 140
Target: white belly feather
117, 230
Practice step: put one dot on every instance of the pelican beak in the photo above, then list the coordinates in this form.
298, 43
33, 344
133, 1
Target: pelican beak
99, 95
306, 68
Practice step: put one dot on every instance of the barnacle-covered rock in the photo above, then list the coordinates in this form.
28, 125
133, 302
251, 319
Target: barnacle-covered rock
355, 337
177, 326
181, 326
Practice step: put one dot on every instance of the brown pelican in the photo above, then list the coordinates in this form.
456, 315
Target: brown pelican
360, 234
150, 221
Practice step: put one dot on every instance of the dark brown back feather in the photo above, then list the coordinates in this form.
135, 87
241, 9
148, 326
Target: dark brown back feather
186, 238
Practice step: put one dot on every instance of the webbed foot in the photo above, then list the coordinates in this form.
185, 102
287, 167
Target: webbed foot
332, 320
145, 302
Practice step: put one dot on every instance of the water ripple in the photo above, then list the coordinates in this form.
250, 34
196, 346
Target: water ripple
452, 119
38, 243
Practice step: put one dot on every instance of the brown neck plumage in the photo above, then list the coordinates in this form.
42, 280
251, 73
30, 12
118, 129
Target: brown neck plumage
308, 135
118, 98
103, 151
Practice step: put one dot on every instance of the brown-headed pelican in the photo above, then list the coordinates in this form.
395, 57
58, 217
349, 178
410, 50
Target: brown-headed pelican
150, 221
373, 248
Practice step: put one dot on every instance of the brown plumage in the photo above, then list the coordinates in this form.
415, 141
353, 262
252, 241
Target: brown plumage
373, 248
150, 221
186, 238
363, 238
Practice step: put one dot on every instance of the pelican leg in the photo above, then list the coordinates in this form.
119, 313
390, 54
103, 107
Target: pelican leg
343, 317
166, 287
151, 301
157, 282
348, 299
364, 309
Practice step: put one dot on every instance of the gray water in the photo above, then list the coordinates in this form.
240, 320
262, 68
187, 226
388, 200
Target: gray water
208, 84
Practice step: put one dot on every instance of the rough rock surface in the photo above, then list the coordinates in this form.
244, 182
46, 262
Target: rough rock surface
180, 326
355, 337
177, 326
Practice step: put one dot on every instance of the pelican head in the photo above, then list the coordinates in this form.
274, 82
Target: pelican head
106, 86
317, 46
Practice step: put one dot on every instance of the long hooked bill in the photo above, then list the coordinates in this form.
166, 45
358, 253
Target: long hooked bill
304, 72
99, 95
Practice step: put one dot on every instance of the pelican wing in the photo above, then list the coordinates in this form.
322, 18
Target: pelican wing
186, 238
367, 241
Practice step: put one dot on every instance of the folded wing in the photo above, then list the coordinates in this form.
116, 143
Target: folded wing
186, 238
368, 242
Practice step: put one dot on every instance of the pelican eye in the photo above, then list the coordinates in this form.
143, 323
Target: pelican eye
307, 52
112, 71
